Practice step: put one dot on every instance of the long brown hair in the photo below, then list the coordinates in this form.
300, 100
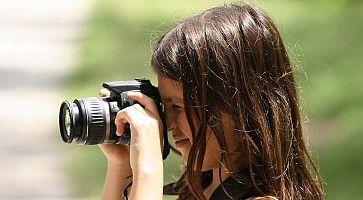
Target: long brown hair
231, 59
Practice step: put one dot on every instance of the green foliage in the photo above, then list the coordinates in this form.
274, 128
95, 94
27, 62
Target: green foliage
87, 167
324, 40
341, 166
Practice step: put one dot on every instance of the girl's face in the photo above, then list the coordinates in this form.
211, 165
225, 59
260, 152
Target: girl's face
171, 93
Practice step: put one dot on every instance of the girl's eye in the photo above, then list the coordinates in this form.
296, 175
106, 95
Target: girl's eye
177, 107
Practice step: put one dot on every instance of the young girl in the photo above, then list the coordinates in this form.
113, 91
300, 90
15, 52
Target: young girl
231, 105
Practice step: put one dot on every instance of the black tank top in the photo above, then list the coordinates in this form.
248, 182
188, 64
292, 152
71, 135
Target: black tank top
232, 190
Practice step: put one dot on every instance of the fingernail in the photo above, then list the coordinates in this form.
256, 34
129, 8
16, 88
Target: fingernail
130, 92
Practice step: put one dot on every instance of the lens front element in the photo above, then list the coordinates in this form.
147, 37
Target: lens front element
67, 123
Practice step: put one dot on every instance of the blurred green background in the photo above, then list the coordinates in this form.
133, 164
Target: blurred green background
324, 39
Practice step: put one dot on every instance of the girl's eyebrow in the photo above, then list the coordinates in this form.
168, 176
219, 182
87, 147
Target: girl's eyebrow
165, 99
169, 99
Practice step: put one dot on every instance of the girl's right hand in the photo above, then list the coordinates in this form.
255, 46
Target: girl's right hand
145, 165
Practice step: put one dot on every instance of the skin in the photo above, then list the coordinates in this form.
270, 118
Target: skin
143, 157
172, 98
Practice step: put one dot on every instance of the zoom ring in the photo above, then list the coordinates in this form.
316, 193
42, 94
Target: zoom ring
96, 121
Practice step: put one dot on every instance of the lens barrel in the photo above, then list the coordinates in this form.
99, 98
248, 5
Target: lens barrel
88, 121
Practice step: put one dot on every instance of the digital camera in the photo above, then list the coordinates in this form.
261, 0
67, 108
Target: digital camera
90, 120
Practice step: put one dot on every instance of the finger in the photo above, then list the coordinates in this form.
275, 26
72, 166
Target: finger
150, 114
120, 122
135, 116
144, 100
104, 92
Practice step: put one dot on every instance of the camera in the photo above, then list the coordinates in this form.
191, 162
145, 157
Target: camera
90, 120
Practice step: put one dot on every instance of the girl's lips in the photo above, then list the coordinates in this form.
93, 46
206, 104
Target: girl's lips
181, 143
180, 139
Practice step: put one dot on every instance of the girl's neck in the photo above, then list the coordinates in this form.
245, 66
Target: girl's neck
216, 181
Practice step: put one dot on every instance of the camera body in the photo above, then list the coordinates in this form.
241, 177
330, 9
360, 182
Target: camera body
90, 120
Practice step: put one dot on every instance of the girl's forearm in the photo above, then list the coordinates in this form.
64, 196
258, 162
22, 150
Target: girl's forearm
117, 179
148, 184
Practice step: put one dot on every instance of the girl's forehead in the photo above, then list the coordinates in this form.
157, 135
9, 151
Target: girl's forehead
170, 90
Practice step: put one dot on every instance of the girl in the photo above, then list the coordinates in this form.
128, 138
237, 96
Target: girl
231, 105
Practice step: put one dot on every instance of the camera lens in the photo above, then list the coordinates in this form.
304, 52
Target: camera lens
87, 121
68, 115
67, 123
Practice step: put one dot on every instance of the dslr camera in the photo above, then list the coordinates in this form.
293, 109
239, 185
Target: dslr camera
90, 120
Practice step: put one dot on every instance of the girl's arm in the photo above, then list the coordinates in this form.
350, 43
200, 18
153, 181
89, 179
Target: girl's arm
145, 147
119, 172
143, 156
148, 179
117, 180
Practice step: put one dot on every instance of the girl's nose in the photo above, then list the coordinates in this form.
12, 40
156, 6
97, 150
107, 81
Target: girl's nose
170, 120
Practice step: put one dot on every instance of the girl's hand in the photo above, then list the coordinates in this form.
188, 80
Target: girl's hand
146, 133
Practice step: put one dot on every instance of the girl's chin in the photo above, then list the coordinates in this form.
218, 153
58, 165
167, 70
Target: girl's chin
184, 154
